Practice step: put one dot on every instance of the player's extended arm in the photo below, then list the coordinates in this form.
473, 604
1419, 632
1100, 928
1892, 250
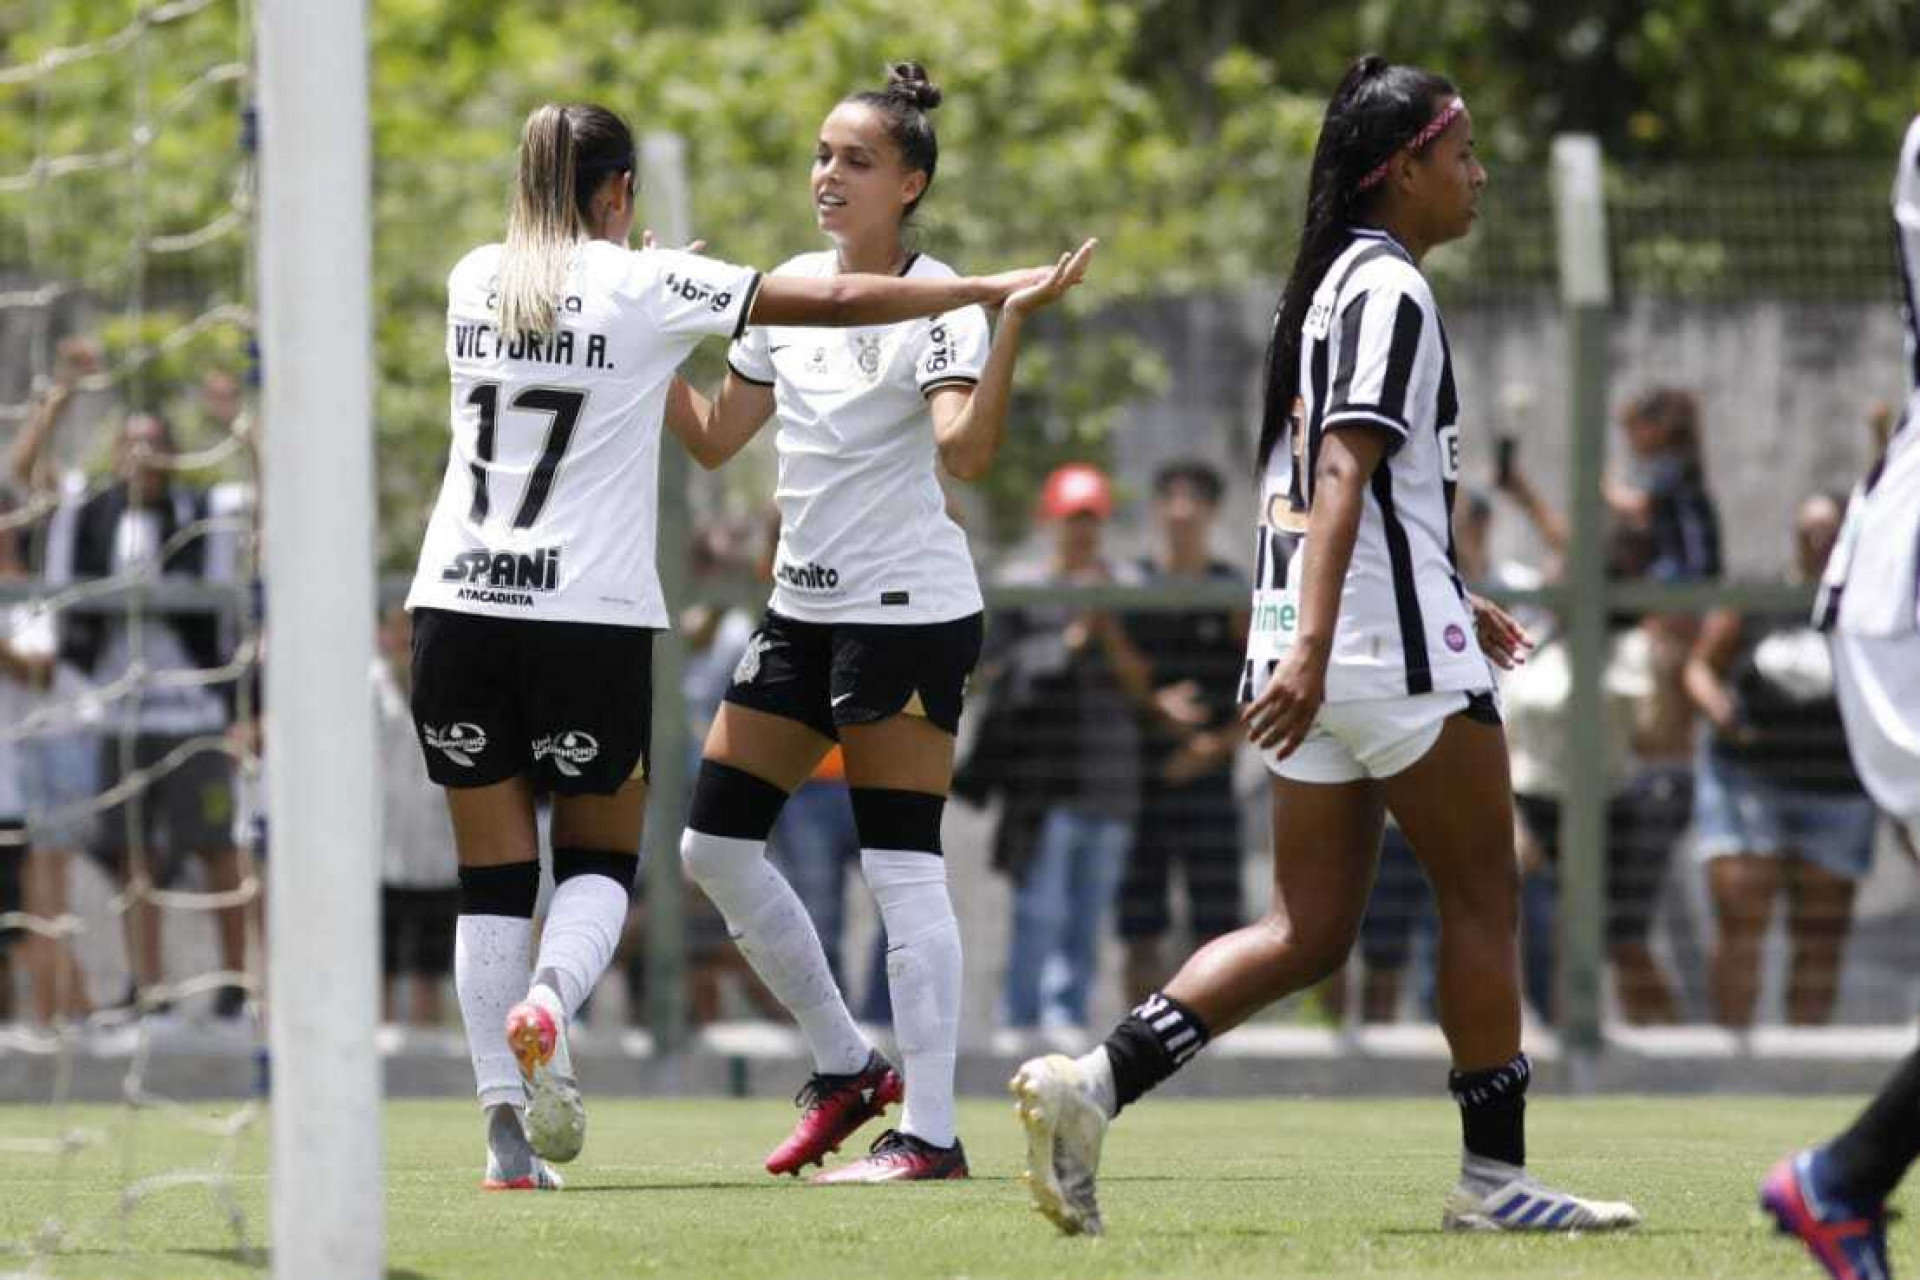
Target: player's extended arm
857, 299
714, 430
1280, 717
970, 422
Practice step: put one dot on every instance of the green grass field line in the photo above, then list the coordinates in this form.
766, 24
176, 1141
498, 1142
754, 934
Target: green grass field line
1228, 1188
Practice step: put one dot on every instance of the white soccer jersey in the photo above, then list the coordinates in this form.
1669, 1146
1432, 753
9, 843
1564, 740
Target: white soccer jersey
1870, 594
1372, 353
864, 531
550, 500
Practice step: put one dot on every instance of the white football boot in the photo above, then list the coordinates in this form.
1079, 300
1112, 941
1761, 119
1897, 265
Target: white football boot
1065, 1128
1525, 1205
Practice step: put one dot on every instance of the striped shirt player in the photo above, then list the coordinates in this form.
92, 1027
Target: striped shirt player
864, 530
1373, 353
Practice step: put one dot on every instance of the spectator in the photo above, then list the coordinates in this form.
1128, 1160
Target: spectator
1668, 497
144, 523
54, 753
1188, 814
1780, 808
57, 742
419, 887
1066, 751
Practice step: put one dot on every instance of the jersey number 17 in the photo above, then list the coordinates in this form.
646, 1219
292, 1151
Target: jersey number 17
562, 408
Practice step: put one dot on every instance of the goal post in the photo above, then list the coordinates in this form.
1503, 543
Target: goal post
314, 245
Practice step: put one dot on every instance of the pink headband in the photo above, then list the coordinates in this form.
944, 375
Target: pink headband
1433, 129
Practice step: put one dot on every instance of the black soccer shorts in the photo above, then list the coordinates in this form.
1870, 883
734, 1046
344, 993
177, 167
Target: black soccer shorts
569, 704
828, 675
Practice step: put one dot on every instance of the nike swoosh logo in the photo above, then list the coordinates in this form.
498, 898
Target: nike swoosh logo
837, 701
774, 351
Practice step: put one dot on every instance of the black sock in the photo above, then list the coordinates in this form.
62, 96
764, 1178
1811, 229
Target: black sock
1493, 1109
1150, 1044
1869, 1159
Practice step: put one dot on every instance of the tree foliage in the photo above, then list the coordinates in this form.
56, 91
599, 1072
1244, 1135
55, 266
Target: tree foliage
1176, 130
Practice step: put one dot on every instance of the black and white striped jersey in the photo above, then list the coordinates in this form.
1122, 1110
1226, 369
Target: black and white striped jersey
1372, 354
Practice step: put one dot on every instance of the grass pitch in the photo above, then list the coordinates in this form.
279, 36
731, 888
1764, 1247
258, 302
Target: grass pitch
1227, 1189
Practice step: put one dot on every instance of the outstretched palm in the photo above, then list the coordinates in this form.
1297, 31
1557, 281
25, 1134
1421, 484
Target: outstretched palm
1068, 272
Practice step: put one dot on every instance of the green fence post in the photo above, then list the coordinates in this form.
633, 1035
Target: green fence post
1586, 294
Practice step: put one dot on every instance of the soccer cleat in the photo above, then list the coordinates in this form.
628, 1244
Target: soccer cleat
831, 1108
1849, 1241
511, 1164
1525, 1205
541, 1179
1065, 1128
556, 1116
900, 1157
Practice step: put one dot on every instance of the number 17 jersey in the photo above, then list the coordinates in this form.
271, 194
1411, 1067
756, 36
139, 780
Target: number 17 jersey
550, 501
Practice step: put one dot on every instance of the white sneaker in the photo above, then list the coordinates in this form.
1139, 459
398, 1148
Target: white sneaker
556, 1115
1065, 1128
1526, 1205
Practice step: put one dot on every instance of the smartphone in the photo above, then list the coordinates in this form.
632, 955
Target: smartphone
1504, 448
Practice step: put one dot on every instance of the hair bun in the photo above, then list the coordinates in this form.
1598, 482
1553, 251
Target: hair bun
908, 82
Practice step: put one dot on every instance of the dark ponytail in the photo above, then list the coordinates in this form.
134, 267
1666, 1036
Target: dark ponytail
904, 105
1378, 108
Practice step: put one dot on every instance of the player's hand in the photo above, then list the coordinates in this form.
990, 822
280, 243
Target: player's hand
1278, 720
1066, 273
1504, 641
650, 241
1181, 704
996, 289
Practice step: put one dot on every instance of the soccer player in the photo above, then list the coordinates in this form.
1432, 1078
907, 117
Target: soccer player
1364, 686
536, 597
1834, 1197
874, 626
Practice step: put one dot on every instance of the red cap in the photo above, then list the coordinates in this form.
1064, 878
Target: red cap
1074, 489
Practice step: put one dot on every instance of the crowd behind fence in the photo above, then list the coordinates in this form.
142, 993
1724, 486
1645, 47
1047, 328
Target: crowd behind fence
1106, 815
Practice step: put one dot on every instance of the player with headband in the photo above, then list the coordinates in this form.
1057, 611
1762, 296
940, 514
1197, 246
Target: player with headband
1367, 682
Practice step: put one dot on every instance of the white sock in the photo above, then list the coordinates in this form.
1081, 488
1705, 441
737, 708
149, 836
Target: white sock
1096, 1068
584, 919
490, 976
776, 935
923, 979
1481, 1174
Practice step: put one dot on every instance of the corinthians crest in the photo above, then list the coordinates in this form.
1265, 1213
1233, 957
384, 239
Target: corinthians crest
749, 665
866, 354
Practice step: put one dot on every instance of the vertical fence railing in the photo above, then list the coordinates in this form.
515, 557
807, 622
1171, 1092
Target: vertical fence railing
1585, 295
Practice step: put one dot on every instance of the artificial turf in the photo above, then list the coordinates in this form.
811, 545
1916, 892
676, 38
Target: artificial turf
1218, 1188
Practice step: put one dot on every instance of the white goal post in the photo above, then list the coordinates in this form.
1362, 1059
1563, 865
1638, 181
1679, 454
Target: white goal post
315, 246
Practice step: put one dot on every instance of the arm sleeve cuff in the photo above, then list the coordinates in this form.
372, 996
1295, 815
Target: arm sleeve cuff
744, 376
1361, 415
746, 306
928, 388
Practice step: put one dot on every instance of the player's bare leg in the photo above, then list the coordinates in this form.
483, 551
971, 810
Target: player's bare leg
1456, 807
1326, 840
